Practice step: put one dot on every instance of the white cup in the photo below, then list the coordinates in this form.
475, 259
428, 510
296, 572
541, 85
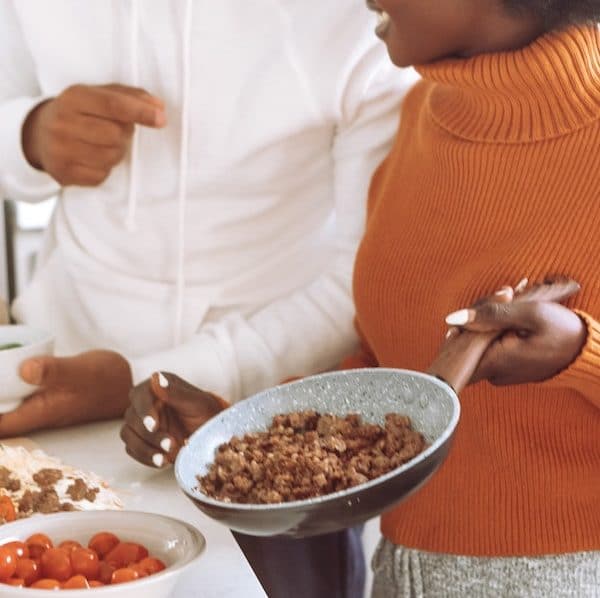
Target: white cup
32, 343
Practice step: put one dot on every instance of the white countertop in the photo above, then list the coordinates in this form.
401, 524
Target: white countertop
222, 572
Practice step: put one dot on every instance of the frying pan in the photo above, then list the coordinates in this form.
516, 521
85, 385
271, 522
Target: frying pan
429, 399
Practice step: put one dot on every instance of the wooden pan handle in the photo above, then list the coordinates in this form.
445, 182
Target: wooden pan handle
459, 357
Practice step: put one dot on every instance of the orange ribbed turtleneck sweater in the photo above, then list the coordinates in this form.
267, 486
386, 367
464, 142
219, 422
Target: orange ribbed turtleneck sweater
495, 175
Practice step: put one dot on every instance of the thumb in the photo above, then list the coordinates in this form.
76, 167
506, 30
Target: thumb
44, 370
181, 395
494, 316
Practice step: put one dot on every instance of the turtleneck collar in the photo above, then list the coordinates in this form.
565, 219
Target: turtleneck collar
547, 89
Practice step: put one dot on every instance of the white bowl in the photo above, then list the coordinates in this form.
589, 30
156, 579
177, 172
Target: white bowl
176, 543
35, 342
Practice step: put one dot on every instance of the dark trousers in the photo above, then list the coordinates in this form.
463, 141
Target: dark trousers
329, 566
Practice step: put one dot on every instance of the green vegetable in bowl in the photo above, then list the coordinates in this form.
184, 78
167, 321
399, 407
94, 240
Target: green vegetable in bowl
10, 346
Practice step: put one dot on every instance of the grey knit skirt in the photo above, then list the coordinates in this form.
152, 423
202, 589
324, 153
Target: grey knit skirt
407, 573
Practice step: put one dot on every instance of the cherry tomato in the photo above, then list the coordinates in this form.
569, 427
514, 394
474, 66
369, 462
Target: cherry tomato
29, 570
84, 561
19, 548
56, 564
38, 544
105, 572
76, 582
46, 584
139, 570
151, 565
7, 509
124, 575
95, 583
125, 554
8, 563
69, 545
102, 543
15, 581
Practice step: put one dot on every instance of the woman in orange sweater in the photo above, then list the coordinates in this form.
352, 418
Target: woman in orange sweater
495, 174
501, 178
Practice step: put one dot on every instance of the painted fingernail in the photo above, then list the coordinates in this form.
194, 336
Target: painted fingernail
460, 318
451, 332
165, 444
503, 292
158, 459
149, 423
162, 380
522, 285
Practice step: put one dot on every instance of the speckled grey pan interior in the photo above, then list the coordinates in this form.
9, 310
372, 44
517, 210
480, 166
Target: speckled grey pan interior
431, 404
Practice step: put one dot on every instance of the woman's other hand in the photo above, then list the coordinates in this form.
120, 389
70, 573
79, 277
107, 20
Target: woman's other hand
164, 411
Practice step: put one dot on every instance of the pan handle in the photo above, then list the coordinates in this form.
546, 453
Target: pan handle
459, 356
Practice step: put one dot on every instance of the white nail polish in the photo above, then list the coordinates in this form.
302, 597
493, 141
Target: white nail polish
165, 444
502, 292
458, 318
522, 285
149, 423
162, 380
158, 459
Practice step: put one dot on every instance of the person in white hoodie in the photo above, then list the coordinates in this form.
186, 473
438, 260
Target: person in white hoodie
211, 164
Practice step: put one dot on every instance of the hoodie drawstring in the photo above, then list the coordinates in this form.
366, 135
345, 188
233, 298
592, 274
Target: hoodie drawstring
183, 153
135, 76
183, 168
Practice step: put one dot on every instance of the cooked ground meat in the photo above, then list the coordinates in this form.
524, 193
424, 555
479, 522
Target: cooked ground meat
46, 501
45, 478
306, 454
26, 502
79, 490
67, 506
7, 481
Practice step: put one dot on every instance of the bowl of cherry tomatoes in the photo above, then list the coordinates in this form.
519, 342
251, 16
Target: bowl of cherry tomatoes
112, 553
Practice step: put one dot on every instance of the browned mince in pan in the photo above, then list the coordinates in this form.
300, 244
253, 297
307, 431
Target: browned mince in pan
308, 454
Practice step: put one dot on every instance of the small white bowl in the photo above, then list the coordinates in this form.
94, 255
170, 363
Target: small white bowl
175, 542
34, 342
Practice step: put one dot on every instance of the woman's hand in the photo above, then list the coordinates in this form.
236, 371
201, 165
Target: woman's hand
164, 411
538, 337
88, 387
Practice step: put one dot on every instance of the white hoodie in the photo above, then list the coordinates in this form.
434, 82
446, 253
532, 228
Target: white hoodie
222, 249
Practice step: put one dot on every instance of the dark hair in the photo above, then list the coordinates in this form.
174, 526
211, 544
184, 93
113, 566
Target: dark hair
558, 12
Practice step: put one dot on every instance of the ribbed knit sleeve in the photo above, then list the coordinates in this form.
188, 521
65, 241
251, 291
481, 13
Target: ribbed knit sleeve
583, 375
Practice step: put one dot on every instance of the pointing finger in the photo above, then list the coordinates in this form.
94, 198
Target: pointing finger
122, 107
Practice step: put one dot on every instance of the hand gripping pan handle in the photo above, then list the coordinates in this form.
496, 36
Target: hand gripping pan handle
460, 355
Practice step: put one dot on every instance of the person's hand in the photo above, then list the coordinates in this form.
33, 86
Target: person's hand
72, 390
164, 411
537, 337
79, 136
